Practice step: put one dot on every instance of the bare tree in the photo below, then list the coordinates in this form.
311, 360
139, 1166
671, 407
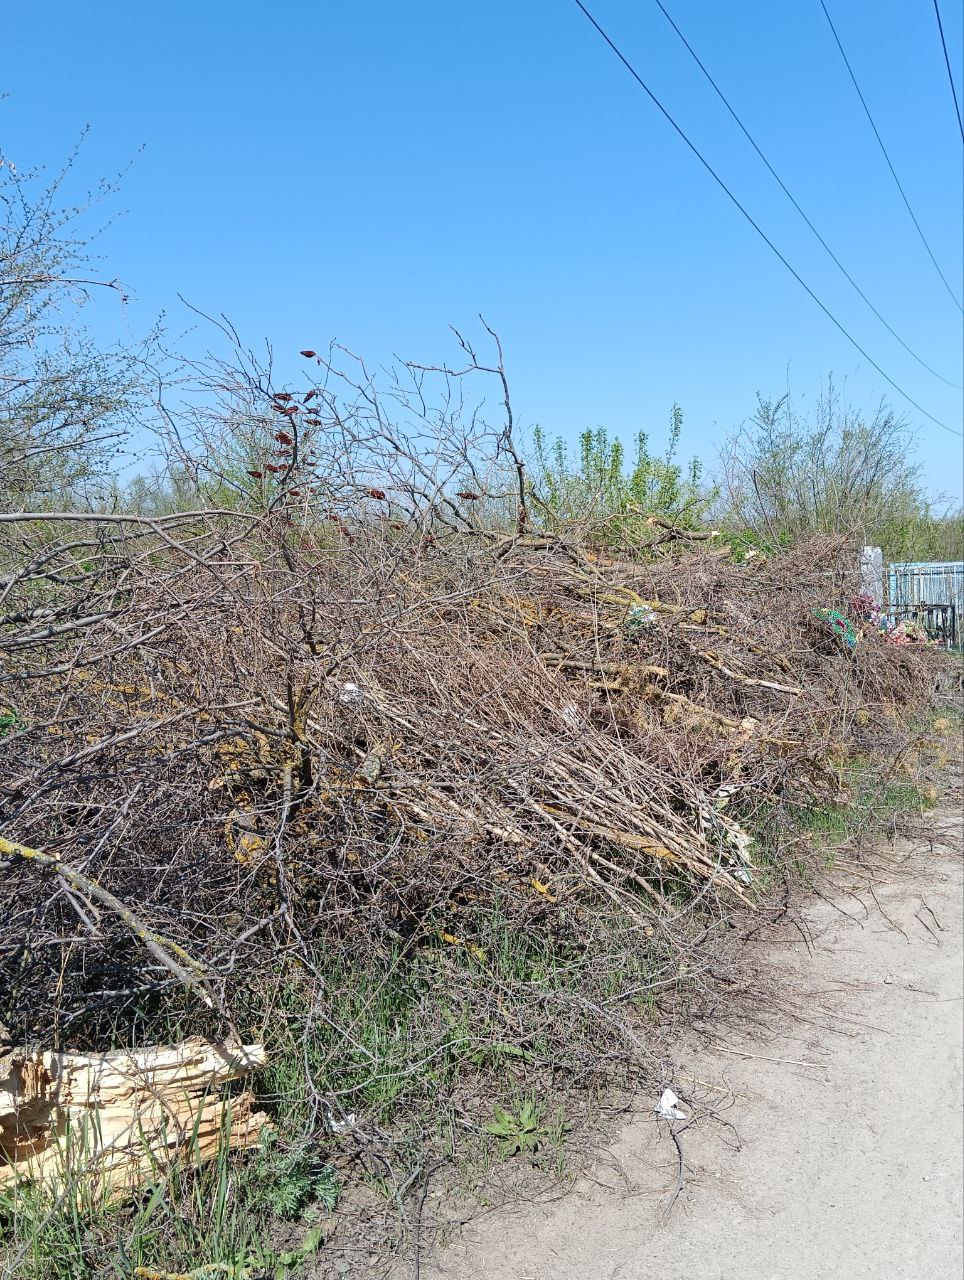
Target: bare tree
65, 403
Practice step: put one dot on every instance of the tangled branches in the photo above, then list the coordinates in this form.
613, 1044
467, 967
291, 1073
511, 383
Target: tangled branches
224, 723
257, 762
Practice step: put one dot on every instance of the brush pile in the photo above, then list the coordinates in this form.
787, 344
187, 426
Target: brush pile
228, 744
377, 761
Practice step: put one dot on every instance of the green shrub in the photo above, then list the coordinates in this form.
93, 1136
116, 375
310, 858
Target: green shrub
602, 487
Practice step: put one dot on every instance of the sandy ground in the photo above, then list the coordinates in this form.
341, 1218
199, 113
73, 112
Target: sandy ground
848, 1167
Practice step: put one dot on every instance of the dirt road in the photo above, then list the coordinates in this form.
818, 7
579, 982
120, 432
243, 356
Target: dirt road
850, 1167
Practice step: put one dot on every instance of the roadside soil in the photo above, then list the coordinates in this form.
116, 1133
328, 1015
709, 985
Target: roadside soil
831, 1147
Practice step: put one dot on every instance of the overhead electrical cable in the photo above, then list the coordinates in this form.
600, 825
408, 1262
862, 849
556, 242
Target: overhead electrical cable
890, 166
754, 224
950, 73
786, 191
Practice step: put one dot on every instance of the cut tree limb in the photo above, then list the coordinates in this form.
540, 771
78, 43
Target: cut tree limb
107, 1123
172, 956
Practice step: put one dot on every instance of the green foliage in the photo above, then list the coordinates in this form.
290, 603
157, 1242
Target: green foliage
835, 471
527, 1128
385, 1007
874, 804
606, 488
289, 1261
295, 1179
163, 493
743, 542
412, 1007
66, 402
519, 1132
216, 1218
9, 721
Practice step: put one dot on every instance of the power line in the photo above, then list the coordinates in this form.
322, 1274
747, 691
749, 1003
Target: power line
752, 141
755, 225
890, 166
947, 63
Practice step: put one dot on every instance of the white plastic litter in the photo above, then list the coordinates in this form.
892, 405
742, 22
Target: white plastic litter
349, 694
737, 839
722, 797
340, 1126
668, 1107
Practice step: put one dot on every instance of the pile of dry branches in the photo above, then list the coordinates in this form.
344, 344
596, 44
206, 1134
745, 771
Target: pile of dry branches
359, 720
243, 737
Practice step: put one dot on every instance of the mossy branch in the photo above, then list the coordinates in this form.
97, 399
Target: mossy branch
168, 953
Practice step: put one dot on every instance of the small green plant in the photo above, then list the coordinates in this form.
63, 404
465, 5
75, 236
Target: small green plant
294, 1258
9, 721
519, 1132
295, 1179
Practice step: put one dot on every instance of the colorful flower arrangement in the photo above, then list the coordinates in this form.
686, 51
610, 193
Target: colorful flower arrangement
894, 632
842, 627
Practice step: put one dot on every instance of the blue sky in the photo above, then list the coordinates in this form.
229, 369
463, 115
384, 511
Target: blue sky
374, 172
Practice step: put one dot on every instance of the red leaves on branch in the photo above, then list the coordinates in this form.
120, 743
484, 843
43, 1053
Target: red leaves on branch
283, 396
256, 475
308, 354
283, 438
309, 395
469, 497
377, 494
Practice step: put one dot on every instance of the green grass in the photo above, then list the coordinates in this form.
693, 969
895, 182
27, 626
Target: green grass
404, 1032
221, 1216
803, 838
